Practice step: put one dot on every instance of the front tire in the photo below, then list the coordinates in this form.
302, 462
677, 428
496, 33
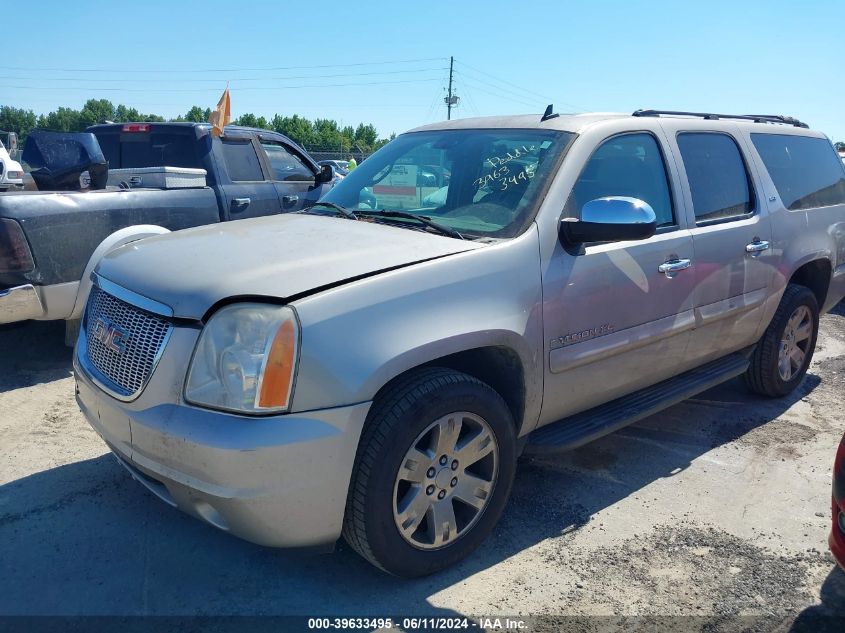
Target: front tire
433, 472
783, 355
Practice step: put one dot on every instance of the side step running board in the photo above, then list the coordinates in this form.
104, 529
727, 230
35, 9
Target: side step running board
584, 427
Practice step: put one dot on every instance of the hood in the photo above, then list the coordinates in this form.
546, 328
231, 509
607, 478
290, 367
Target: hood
279, 256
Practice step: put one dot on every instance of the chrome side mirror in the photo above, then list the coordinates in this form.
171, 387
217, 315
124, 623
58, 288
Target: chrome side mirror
610, 219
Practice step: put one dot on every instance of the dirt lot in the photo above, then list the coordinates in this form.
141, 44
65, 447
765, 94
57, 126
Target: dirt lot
718, 507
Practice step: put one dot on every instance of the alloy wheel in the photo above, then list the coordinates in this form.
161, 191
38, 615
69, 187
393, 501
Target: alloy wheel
445, 480
794, 343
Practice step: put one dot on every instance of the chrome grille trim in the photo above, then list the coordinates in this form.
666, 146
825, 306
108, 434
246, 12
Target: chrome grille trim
122, 374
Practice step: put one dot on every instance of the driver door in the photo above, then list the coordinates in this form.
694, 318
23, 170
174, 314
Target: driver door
613, 321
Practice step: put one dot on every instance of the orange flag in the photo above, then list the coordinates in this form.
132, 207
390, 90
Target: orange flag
222, 114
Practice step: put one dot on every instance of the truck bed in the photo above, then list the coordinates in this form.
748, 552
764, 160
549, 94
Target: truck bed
64, 228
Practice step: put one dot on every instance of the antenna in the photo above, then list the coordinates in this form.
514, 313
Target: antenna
549, 114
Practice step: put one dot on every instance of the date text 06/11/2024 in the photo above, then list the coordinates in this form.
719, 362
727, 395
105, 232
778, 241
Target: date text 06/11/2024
417, 624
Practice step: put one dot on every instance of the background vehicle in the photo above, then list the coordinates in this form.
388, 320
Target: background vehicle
374, 369
52, 240
11, 172
837, 530
341, 166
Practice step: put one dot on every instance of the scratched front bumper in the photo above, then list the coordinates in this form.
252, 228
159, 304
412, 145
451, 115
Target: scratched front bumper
278, 480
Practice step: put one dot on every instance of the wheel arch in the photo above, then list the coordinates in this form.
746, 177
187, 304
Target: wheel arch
814, 274
498, 365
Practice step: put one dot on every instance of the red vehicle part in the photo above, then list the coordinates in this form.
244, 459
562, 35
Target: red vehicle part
837, 531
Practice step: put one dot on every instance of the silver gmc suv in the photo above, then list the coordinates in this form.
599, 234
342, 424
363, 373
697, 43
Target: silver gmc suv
373, 367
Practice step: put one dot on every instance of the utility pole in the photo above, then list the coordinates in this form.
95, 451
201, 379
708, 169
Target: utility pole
451, 100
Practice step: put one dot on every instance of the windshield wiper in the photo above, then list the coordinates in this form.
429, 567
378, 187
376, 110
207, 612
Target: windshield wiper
342, 210
440, 228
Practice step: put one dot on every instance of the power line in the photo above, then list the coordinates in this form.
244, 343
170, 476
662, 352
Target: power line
432, 108
516, 99
521, 89
471, 101
233, 81
500, 92
504, 81
222, 70
217, 88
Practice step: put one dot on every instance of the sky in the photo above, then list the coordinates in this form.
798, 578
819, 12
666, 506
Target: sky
387, 63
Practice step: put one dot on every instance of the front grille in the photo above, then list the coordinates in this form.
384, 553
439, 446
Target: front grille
126, 361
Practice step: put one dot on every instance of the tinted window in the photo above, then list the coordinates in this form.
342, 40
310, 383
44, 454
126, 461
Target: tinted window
718, 180
286, 166
241, 161
149, 150
629, 165
805, 170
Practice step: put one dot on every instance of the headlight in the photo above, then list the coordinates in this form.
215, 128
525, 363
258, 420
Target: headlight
245, 359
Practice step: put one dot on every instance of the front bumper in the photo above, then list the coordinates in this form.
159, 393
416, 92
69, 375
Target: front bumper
20, 303
279, 481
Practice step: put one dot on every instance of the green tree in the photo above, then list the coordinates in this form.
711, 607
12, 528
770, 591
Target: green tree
17, 120
327, 136
319, 135
96, 111
298, 129
61, 120
248, 120
197, 115
122, 114
366, 136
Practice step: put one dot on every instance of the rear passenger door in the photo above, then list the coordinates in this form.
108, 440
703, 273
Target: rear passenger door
731, 233
293, 179
248, 192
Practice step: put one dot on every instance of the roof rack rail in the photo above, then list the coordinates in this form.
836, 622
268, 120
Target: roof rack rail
757, 118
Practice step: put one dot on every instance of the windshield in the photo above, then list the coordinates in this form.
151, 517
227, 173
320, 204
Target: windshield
481, 183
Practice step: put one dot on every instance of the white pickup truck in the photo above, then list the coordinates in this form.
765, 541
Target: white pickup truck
11, 172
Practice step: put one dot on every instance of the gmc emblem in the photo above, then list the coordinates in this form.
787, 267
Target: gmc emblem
111, 336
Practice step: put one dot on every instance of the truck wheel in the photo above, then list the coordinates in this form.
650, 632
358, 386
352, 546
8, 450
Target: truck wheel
433, 472
783, 355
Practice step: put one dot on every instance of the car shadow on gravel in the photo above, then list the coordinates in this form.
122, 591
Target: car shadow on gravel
84, 538
33, 352
829, 615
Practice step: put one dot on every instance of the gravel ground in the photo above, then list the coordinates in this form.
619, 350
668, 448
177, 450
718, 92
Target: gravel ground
717, 508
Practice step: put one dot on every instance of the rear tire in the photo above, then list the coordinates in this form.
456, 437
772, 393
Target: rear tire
783, 355
433, 472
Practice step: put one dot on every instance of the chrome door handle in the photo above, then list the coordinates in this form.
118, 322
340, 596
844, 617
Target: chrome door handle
289, 200
239, 204
676, 265
757, 246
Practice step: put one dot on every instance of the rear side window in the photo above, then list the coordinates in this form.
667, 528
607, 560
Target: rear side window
806, 171
628, 165
135, 150
718, 180
241, 161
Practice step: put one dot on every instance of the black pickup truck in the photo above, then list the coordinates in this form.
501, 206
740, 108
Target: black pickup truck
50, 240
